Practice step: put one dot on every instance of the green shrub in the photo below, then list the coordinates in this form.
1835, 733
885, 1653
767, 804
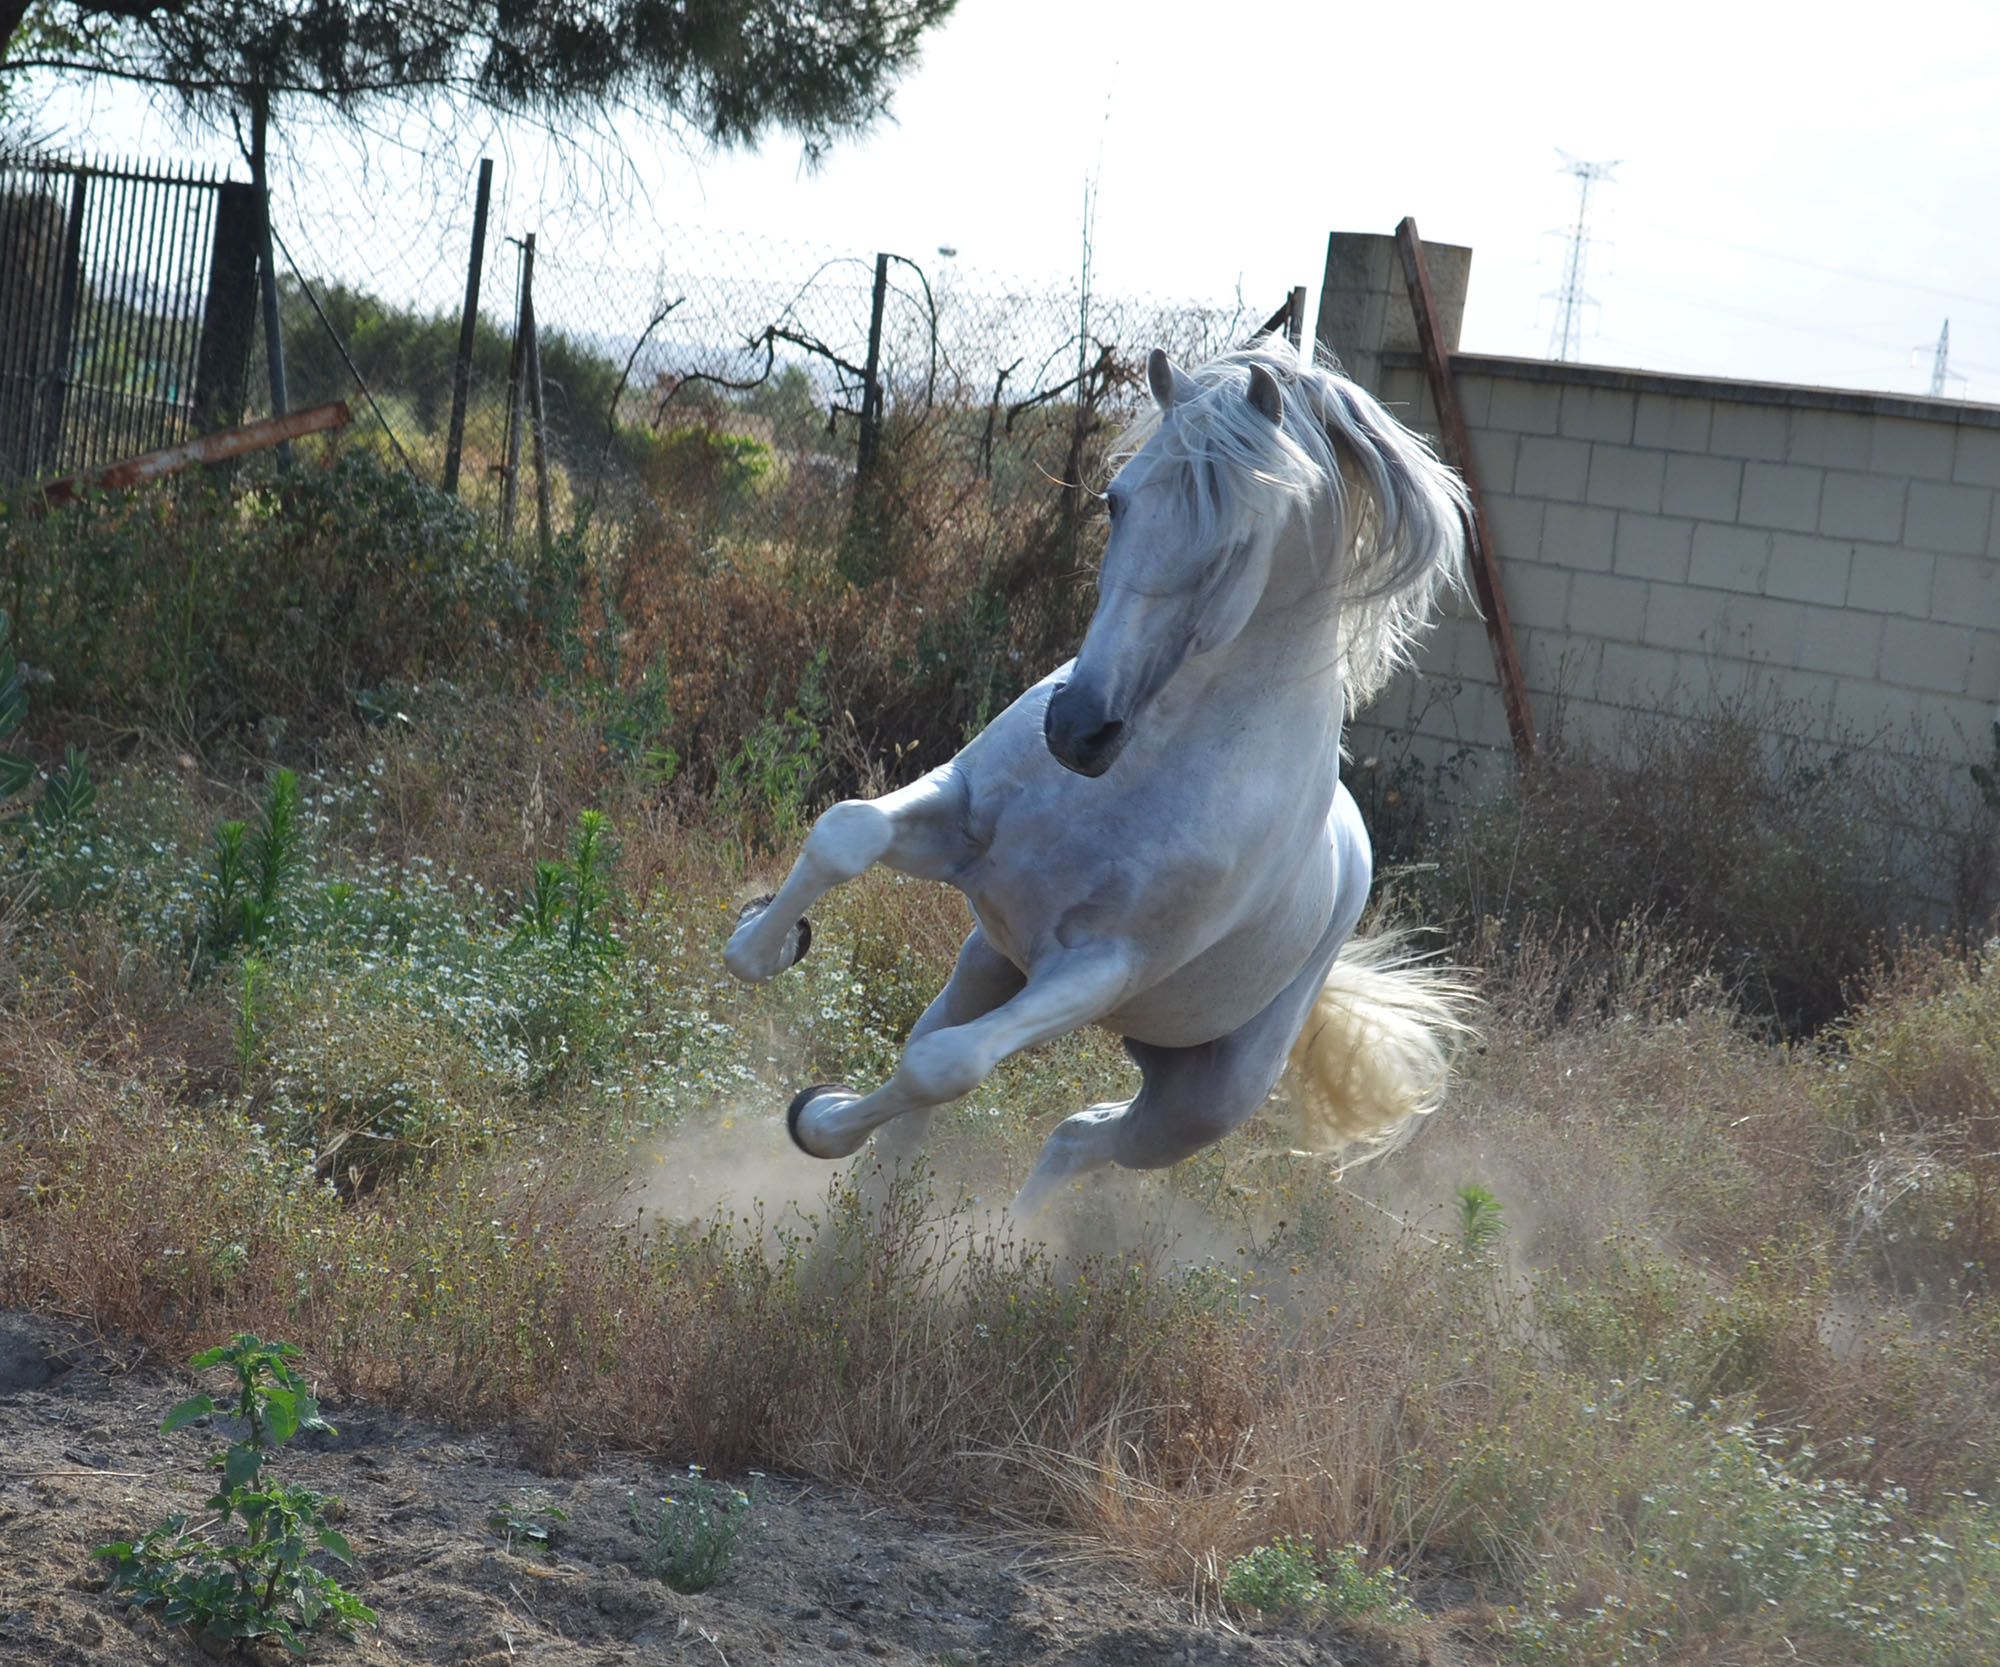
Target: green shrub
692, 1536
262, 1584
1288, 1578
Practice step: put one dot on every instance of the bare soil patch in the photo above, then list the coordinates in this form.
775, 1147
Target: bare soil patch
832, 1578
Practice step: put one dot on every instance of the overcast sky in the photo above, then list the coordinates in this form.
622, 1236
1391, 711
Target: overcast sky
1803, 193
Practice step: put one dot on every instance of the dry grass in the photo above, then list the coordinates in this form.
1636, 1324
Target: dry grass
1736, 1280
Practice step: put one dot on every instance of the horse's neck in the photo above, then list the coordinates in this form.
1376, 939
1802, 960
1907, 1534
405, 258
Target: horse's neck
1280, 674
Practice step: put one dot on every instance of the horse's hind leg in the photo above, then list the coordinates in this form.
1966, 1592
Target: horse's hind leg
1188, 1098
915, 829
952, 1059
982, 980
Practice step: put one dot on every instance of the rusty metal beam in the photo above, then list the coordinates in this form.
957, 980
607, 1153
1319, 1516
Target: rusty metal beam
1458, 453
208, 448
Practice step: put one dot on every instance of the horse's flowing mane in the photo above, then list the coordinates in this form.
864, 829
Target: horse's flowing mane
1396, 532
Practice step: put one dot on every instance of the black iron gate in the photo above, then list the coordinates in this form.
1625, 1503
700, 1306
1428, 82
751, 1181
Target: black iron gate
127, 310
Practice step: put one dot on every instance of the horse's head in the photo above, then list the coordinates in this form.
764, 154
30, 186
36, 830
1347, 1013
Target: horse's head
1188, 556
1251, 447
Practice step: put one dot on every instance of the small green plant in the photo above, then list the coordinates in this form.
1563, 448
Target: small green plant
567, 905
16, 772
1481, 1219
263, 1584
694, 1533
246, 897
528, 1519
1276, 1579
1286, 1577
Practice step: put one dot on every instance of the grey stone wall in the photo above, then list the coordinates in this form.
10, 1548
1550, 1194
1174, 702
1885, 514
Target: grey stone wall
1666, 539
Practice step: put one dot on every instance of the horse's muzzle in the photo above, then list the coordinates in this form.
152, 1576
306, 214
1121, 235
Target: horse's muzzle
1079, 734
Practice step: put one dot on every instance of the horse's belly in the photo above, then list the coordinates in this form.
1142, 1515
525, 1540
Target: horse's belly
1224, 987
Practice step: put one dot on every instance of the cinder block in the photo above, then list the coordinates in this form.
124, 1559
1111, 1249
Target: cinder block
1965, 590
1671, 423
1537, 595
1982, 676
1403, 387
1781, 495
1863, 506
1728, 558
1830, 439
1641, 676
1906, 446
1598, 414
1594, 724
1652, 547
1807, 569
1625, 478
1475, 399
1917, 654
1873, 714
1746, 430
1890, 580
1809, 695
1493, 459
1761, 628
1577, 537
1603, 605
1679, 616
1551, 468
1525, 407
1516, 526
1977, 459
1844, 641
1706, 488
1558, 664
1948, 518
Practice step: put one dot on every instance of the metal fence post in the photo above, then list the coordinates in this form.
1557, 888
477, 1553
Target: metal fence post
871, 381
539, 432
461, 382
274, 331
55, 392
222, 360
516, 376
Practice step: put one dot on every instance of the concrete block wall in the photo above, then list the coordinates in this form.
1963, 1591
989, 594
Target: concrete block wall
1665, 539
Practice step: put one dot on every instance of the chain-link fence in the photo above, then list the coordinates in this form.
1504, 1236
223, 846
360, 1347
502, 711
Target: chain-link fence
796, 513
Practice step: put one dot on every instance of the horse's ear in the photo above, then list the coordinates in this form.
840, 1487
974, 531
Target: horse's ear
1265, 396
1170, 384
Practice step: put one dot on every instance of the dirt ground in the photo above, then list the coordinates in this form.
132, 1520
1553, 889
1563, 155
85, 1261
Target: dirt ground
832, 1578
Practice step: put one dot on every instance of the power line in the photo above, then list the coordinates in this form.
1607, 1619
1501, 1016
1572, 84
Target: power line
1571, 299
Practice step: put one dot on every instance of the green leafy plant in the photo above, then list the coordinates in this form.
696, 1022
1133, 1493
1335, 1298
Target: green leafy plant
528, 1519
1481, 1220
246, 899
1287, 1577
567, 905
694, 1533
16, 772
263, 1584
1275, 1579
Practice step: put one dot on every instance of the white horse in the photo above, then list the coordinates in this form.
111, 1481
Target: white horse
1155, 838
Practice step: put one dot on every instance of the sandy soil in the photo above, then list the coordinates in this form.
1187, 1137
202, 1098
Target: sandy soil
833, 1577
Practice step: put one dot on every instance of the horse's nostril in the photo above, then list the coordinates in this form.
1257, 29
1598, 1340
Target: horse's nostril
1101, 738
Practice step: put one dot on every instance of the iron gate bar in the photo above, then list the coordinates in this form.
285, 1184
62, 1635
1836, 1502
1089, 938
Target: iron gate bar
121, 338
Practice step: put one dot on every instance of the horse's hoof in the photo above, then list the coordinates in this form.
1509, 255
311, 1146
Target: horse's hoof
803, 1098
797, 941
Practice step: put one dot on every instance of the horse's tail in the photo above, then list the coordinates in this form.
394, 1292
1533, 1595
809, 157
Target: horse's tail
1377, 1048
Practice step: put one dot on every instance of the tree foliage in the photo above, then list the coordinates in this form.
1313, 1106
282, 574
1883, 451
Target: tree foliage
726, 70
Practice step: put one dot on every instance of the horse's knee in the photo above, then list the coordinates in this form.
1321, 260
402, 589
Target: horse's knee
850, 837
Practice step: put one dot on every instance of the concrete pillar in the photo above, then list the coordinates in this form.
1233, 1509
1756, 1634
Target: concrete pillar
1364, 308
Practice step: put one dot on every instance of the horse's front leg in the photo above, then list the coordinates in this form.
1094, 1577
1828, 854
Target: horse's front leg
915, 829
1061, 994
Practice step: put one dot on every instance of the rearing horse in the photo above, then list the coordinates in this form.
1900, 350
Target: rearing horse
1155, 838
